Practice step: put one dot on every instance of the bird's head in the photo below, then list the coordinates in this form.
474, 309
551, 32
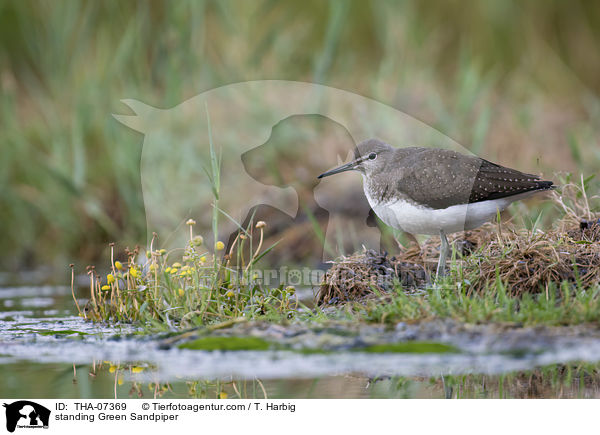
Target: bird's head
369, 158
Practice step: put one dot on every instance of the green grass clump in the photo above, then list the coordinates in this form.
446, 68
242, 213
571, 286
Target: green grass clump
199, 288
495, 305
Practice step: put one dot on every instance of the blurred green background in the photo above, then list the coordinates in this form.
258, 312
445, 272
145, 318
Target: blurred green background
514, 81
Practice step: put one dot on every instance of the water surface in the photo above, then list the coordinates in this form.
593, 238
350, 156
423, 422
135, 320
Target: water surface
48, 351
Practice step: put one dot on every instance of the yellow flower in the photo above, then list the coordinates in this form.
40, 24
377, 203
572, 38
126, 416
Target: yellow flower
153, 267
162, 251
105, 287
120, 380
223, 395
173, 270
168, 269
110, 278
181, 292
118, 265
177, 264
137, 369
219, 246
230, 294
203, 259
133, 272
112, 369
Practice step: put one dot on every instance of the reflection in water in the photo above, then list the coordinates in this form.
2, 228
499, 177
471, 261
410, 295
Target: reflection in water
110, 380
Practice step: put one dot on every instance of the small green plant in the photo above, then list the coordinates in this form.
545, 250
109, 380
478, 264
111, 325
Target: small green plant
198, 289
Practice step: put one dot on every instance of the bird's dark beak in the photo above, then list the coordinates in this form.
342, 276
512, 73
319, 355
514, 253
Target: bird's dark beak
343, 168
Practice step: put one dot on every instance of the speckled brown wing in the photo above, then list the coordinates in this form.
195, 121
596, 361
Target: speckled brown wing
494, 182
442, 178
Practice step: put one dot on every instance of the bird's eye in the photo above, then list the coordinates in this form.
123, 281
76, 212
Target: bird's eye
372, 156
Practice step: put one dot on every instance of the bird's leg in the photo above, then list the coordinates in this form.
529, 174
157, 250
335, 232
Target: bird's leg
444, 248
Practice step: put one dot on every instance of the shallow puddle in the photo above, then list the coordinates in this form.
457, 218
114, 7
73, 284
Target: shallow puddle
46, 351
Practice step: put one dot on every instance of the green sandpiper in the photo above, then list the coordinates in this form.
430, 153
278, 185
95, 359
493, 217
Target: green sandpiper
436, 191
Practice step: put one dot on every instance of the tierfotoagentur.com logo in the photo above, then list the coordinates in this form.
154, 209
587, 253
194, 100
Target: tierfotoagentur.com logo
25, 414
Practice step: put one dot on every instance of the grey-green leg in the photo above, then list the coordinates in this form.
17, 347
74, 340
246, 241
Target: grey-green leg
444, 250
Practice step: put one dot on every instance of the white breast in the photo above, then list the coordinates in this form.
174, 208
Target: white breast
416, 219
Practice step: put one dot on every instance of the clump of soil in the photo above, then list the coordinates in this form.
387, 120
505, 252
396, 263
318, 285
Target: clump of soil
363, 274
526, 261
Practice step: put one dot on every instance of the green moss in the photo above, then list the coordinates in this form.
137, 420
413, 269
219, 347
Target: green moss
50, 331
411, 347
62, 332
226, 343
312, 351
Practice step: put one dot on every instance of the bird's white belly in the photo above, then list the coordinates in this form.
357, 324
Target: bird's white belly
417, 219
